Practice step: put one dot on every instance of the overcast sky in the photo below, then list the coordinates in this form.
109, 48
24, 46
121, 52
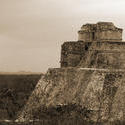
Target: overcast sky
32, 31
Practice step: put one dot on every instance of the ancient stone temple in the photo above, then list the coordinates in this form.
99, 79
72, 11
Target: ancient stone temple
92, 74
102, 31
99, 46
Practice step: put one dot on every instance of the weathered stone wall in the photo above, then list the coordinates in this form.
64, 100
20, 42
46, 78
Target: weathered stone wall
102, 31
109, 35
72, 53
94, 55
105, 55
94, 89
85, 36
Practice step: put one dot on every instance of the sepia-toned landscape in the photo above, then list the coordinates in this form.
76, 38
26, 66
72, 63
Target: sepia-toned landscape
88, 88
62, 62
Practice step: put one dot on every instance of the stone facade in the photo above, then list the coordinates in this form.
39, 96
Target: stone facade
99, 46
102, 31
72, 53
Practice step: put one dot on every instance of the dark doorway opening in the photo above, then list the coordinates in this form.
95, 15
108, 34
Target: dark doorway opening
93, 35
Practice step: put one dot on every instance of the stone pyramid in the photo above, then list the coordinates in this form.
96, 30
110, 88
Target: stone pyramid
92, 74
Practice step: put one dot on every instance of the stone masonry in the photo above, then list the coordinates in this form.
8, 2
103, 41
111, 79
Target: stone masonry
100, 44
